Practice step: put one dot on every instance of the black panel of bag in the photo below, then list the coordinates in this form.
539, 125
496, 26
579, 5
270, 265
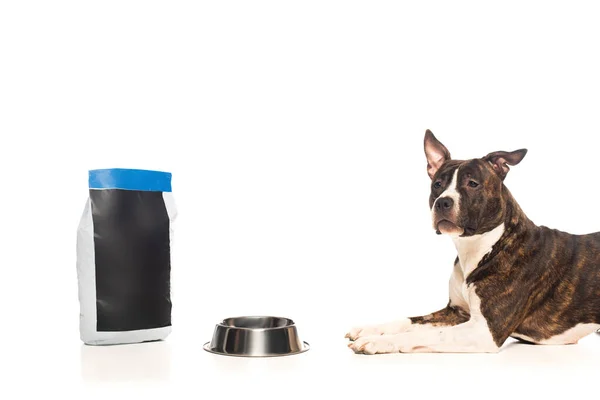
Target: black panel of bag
133, 260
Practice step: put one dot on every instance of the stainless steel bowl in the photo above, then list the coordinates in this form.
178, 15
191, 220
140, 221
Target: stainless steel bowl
256, 337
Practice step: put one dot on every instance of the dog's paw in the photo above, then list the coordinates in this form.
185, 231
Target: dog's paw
377, 330
363, 331
371, 345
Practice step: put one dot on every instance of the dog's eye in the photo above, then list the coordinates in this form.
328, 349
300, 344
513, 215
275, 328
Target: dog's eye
473, 184
437, 185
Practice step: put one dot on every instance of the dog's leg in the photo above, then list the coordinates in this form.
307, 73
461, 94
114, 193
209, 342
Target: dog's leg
447, 316
471, 337
455, 313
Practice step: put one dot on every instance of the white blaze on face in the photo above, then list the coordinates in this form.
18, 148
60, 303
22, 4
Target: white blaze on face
451, 192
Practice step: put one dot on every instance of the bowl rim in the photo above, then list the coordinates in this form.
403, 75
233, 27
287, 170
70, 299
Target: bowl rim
305, 348
222, 323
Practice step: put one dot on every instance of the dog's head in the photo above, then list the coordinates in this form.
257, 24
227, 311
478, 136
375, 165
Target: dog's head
467, 195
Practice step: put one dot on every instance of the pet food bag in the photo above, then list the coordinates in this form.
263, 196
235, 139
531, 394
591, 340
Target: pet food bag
124, 257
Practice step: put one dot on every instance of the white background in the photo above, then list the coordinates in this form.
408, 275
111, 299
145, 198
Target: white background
294, 134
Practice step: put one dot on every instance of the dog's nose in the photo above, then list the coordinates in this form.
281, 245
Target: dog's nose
444, 204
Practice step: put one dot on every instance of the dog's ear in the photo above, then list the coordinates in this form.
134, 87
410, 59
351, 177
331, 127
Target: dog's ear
436, 153
501, 160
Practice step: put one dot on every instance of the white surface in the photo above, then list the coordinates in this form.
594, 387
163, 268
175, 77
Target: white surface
181, 369
295, 136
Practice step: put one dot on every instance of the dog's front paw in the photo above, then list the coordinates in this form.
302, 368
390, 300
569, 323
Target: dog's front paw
374, 345
391, 328
372, 330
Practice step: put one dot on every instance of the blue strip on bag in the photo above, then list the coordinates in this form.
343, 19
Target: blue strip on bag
130, 179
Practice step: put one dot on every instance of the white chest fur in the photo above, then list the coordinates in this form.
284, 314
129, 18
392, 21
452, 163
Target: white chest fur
473, 248
470, 252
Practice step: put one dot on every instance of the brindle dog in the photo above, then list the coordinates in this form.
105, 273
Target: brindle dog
511, 278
